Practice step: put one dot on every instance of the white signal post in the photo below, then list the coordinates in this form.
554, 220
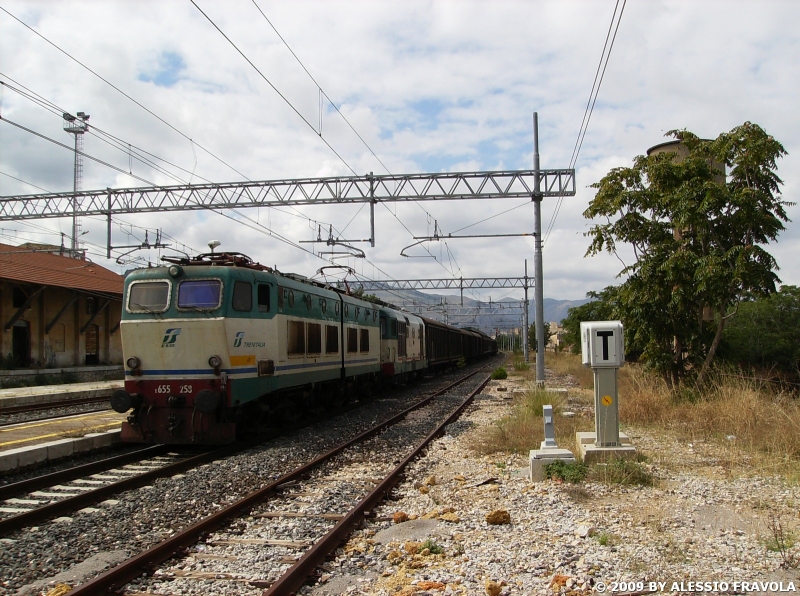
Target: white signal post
603, 350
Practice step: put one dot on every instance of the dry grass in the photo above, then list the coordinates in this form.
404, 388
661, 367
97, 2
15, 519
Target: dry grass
523, 429
731, 411
754, 427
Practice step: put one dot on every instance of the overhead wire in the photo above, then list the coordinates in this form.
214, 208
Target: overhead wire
587, 114
109, 83
303, 118
123, 145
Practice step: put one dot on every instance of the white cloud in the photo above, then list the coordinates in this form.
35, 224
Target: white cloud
441, 86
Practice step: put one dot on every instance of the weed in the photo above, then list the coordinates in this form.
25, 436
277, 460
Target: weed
622, 471
499, 373
605, 539
462, 362
537, 397
432, 547
501, 465
782, 541
573, 472
521, 365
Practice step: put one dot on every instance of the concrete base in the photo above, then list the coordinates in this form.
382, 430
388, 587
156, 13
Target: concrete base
591, 454
23, 457
539, 458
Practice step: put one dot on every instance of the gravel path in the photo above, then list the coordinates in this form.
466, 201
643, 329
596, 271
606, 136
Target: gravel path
697, 524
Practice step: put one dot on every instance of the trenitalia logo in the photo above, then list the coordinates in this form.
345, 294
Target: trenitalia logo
238, 341
170, 337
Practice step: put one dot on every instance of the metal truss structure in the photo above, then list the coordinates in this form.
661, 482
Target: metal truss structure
310, 191
461, 283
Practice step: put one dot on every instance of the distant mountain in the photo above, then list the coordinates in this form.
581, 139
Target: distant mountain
487, 316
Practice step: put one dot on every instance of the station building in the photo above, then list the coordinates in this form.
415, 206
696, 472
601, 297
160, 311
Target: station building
57, 311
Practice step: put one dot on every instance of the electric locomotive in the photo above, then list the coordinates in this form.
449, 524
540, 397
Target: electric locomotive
217, 343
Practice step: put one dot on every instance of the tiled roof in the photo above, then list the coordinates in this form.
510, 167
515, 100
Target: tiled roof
42, 268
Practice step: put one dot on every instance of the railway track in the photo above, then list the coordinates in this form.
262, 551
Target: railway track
52, 405
332, 493
32, 501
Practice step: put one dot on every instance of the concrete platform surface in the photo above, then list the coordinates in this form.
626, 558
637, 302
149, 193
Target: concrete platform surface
40, 394
25, 434
12, 460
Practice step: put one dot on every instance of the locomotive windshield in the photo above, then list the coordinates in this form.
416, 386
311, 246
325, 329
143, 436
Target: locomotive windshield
149, 296
200, 293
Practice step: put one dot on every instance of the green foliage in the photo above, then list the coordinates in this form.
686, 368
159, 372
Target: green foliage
697, 238
532, 336
764, 333
572, 472
604, 539
499, 373
432, 547
520, 365
462, 362
600, 309
622, 471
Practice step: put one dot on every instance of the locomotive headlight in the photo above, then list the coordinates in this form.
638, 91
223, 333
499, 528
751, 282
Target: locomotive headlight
133, 362
215, 362
175, 270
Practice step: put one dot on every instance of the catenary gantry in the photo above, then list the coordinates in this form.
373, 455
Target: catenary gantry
307, 191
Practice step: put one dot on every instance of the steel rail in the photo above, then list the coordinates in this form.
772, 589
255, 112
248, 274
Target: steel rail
70, 504
297, 575
129, 570
25, 486
64, 403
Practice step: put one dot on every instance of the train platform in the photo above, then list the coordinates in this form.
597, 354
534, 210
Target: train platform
42, 394
28, 444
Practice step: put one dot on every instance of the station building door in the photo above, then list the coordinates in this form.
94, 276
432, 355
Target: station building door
21, 344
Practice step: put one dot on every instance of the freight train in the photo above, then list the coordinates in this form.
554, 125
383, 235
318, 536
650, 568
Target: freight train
217, 344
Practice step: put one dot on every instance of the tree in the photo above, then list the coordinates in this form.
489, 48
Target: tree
548, 334
697, 239
765, 333
600, 309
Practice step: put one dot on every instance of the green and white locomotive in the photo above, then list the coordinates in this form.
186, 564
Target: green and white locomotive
216, 343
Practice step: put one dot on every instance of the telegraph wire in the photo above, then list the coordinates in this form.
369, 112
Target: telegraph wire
321, 90
282, 96
146, 109
587, 114
24, 182
303, 118
124, 146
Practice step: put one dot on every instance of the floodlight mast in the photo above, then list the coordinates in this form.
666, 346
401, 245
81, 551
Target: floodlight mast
76, 126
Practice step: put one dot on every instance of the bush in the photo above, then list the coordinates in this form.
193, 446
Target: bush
432, 547
622, 471
499, 373
572, 472
521, 365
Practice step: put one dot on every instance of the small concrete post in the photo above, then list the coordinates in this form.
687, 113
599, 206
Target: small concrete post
549, 428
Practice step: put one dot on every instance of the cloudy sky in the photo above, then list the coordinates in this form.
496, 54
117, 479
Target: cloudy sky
429, 86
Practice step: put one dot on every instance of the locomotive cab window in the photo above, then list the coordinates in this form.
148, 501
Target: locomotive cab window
242, 296
263, 298
203, 294
148, 296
